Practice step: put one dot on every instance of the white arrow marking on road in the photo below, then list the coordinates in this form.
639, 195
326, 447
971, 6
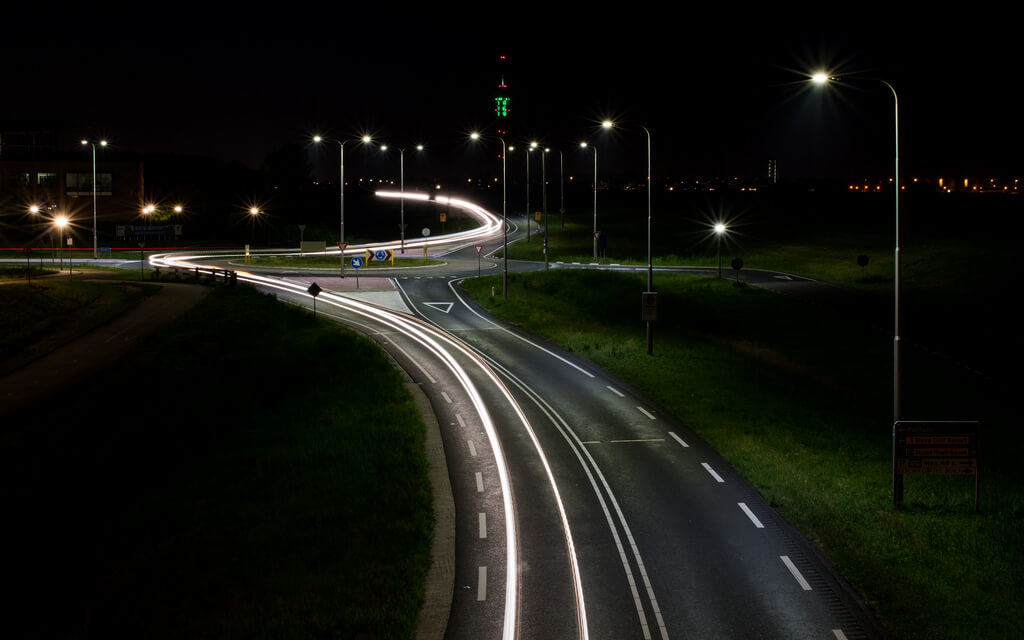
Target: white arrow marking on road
443, 307
783, 277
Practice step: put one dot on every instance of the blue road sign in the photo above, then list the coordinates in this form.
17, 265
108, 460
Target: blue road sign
357, 263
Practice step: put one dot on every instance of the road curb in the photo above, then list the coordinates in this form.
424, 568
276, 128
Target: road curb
432, 621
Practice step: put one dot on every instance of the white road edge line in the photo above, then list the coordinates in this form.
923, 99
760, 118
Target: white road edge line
796, 573
712, 472
516, 335
750, 514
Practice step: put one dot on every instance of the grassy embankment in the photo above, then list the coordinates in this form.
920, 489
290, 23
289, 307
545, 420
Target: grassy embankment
799, 400
229, 478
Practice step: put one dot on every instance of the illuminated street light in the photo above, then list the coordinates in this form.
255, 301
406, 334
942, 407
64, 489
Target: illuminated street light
504, 213
341, 178
897, 349
719, 230
584, 145
95, 241
401, 173
60, 222
544, 201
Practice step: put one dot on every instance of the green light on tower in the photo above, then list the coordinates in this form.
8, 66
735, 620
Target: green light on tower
501, 106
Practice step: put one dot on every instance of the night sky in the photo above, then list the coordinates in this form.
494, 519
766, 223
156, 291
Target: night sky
720, 92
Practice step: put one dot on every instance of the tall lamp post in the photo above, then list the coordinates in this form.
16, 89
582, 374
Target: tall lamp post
401, 174
584, 145
504, 214
544, 200
95, 240
341, 177
897, 347
650, 262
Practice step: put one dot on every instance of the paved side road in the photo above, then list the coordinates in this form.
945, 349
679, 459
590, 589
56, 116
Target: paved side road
38, 380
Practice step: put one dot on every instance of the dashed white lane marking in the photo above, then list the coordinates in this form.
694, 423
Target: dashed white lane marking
483, 525
646, 413
616, 392
750, 514
446, 398
796, 573
481, 584
679, 440
712, 472
838, 633
462, 422
472, 448
479, 482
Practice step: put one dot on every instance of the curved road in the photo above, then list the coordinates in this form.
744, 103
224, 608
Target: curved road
583, 509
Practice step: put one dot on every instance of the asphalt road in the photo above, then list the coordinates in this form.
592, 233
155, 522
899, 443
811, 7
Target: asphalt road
625, 523
582, 508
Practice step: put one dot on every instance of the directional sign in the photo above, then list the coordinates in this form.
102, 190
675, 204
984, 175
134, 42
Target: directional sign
382, 255
936, 447
357, 262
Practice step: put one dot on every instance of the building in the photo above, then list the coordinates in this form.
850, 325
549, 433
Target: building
48, 166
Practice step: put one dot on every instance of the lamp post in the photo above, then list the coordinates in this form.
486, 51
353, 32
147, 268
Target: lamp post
897, 347
504, 215
719, 229
341, 177
95, 241
650, 262
60, 222
584, 145
544, 201
401, 174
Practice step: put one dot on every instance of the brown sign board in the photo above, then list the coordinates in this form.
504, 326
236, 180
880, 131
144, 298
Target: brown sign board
936, 448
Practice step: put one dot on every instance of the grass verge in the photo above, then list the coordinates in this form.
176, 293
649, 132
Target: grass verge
799, 401
231, 478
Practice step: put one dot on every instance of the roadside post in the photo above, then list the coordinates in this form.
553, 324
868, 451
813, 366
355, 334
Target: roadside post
28, 264
357, 264
314, 290
142, 261
479, 248
71, 263
737, 264
341, 252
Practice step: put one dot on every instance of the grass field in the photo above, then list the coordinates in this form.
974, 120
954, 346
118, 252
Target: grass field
217, 484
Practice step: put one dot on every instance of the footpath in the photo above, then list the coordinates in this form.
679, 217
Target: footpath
60, 368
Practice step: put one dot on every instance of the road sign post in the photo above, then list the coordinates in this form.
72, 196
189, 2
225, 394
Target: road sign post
479, 248
314, 290
341, 252
357, 264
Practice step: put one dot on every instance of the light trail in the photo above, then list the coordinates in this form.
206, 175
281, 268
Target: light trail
443, 347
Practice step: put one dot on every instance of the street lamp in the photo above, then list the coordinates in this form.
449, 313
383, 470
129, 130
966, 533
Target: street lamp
897, 347
504, 213
341, 177
95, 241
544, 201
60, 222
719, 230
584, 145
401, 173
821, 78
